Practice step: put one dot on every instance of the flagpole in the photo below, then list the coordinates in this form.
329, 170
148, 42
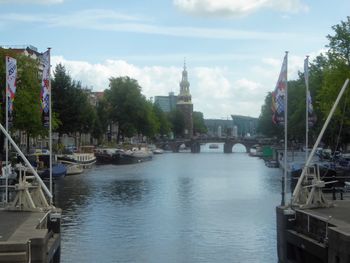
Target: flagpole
7, 129
50, 126
306, 65
285, 135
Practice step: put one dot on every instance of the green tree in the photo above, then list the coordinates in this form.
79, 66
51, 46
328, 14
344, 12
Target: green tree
198, 123
147, 123
177, 120
265, 124
327, 74
27, 111
101, 121
336, 68
128, 108
71, 104
339, 44
163, 122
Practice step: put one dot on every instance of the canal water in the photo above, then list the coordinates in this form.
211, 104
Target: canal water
183, 207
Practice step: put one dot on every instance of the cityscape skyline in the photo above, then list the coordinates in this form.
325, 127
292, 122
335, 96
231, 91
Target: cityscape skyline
233, 49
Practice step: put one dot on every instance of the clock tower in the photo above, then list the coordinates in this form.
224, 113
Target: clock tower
184, 104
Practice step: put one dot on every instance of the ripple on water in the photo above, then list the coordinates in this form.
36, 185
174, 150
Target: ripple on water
208, 207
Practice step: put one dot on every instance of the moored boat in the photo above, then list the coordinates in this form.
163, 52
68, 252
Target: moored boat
85, 157
213, 146
119, 156
58, 171
72, 167
158, 151
41, 162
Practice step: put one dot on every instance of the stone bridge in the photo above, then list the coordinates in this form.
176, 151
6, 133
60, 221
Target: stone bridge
195, 143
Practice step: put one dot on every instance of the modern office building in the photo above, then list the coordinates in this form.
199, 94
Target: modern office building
166, 103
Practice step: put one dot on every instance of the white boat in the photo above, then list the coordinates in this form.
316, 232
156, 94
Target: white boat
213, 146
85, 157
141, 153
72, 167
153, 148
158, 151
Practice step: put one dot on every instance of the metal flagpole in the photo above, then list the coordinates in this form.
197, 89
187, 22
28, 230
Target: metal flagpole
7, 129
50, 124
306, 76
285, 130
301, 178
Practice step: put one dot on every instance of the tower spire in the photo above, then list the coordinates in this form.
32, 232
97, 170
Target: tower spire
184, 103
184, 96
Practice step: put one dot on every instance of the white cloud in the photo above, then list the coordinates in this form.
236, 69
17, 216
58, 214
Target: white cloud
216, 91
108, 20
237, 8
213, 90
42, 2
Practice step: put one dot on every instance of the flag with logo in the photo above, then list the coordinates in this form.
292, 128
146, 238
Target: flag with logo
310, 109
11, 76
45, 88
279, 95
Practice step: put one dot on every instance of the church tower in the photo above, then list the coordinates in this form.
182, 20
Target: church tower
184, 104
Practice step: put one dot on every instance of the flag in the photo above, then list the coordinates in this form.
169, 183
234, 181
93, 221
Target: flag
310, 109
45, 88
11, 76
279, 95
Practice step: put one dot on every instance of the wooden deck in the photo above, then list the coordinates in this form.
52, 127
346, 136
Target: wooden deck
25, 235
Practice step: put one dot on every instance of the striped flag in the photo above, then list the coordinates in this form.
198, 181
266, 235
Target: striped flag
11, 76
310, 109
279, 95
45, 88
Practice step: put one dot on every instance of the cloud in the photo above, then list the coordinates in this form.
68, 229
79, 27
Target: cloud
109, 20
214, 91
41, 2
237, 8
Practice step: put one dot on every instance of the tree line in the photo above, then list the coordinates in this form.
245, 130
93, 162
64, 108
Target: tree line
327, 73
73, 112
122, 104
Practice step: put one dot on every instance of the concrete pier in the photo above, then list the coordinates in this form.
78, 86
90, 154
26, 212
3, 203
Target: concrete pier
30, 236
314, 235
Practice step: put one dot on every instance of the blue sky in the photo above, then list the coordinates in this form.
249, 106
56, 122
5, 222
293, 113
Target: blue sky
233, 48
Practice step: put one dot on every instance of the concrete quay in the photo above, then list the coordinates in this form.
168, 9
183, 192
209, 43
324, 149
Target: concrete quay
29, 236
320, 235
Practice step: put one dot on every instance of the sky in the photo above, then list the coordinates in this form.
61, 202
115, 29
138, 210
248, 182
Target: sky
233, 48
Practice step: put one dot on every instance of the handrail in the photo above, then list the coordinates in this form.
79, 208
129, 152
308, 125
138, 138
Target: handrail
26, 161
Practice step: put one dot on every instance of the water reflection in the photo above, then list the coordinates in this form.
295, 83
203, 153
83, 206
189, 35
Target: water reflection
126, 192
207, 207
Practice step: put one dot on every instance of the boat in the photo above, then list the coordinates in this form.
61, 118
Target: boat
120, 156
58, 171
213, 146
72, 167
158, 151
41, 161
85, 157
271, 163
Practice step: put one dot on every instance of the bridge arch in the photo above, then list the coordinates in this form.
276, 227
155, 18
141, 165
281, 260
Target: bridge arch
194, 143
239, 148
